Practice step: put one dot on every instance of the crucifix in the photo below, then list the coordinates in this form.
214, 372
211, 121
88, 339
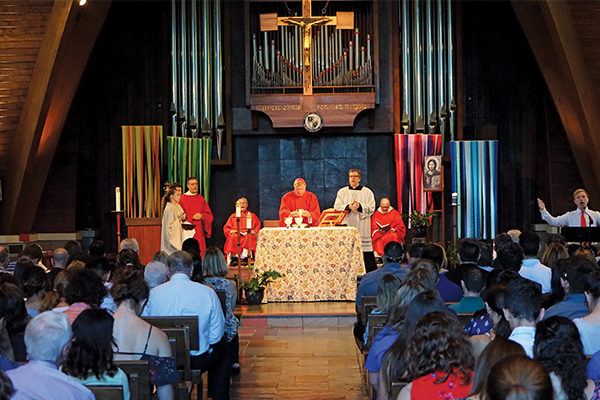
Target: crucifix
342, 20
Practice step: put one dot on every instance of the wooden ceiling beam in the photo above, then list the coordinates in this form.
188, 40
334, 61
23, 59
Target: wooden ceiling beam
65, 50
551, 34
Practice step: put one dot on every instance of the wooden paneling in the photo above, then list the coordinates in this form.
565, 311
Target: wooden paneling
22, 27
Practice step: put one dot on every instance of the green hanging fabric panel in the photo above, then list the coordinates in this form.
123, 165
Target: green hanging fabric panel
190, 157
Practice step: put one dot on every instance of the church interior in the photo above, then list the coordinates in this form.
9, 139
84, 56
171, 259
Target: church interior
249, 95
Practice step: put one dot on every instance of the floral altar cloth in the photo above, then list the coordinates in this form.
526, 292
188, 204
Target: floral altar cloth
319, 264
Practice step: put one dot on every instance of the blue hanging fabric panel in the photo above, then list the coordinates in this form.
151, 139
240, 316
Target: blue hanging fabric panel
475, 180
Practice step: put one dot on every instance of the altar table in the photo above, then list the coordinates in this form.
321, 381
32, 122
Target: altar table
319, 264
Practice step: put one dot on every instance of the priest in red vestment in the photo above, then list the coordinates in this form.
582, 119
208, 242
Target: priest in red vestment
300, 203
249, 226
198, 212
386, 226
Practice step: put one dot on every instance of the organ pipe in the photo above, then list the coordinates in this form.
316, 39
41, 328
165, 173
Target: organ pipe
427, 66
174, 64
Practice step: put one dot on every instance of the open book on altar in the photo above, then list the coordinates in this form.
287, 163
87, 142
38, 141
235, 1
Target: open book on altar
332, 217
383, 228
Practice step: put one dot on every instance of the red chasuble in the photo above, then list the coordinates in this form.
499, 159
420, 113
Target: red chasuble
291, 202
247, 240
192, 204
381, 229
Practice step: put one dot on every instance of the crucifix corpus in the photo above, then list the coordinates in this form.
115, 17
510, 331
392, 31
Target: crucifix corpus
271, 22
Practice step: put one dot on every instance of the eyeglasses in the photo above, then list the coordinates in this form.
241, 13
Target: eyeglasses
354, 176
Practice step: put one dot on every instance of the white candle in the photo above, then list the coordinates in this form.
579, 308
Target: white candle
238, 211
118, 199
248, 221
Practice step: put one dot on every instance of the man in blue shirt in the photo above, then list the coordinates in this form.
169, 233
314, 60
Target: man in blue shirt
573, 305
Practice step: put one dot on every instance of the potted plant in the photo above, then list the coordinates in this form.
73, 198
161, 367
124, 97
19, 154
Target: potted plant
419, 222
254, 288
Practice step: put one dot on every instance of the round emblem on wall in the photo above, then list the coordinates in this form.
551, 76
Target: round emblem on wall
313, 121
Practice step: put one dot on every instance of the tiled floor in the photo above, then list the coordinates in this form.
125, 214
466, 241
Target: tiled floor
299, 362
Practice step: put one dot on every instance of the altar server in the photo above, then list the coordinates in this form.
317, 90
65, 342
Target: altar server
359, 201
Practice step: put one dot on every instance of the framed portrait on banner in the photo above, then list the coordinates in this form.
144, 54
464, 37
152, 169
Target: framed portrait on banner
432, 173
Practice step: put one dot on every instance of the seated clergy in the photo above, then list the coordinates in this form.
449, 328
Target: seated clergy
300, 203
386, 226
241, 227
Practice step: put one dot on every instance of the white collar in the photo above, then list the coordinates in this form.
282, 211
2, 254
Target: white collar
188, 193
379, 209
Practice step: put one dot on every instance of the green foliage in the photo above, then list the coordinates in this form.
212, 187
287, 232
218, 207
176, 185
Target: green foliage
418, 219
259, 279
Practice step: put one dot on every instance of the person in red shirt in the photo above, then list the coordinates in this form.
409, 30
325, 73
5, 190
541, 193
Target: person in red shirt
386, 226
246, 231
198, 212
300, 203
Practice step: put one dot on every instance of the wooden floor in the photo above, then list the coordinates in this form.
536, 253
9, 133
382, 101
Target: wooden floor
299, 351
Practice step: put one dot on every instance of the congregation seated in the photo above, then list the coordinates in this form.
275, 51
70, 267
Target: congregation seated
532, 268
101, 267
558, 347
215, 274
523, 309
588, 326
33, 285
449, 291
90, 356
468, 255
518, 377
46, 337
496, 350
181, 296
85, 290
574, 304
155, 273
192, 247
129, 257
556, 257
472, 284
160, 256
135, 339
385, 361
439, 360
60, 257
14, 313
386, 292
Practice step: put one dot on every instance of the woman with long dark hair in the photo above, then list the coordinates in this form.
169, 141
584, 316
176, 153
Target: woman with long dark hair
90, 356
558, 347
439, 360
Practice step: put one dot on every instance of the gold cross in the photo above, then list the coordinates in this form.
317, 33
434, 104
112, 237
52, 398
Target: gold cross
343, 20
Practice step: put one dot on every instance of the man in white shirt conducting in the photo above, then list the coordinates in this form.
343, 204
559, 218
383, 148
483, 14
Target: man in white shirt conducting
582, 216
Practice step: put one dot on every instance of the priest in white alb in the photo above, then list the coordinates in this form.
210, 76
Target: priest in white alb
386, 226
359, 201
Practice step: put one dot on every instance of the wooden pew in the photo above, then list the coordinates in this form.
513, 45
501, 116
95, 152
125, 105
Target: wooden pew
397, 388
376, 323
368, 304
188, 322
180, 348
106, 392
137, 372
464, 318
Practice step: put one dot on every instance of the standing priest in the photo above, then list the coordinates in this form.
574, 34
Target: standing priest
198, 212
243, 228
360, 204
386, 226
300, 203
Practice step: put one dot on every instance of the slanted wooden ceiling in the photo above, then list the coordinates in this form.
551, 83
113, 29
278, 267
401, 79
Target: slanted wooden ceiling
22, 27
63, 43
564, 38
